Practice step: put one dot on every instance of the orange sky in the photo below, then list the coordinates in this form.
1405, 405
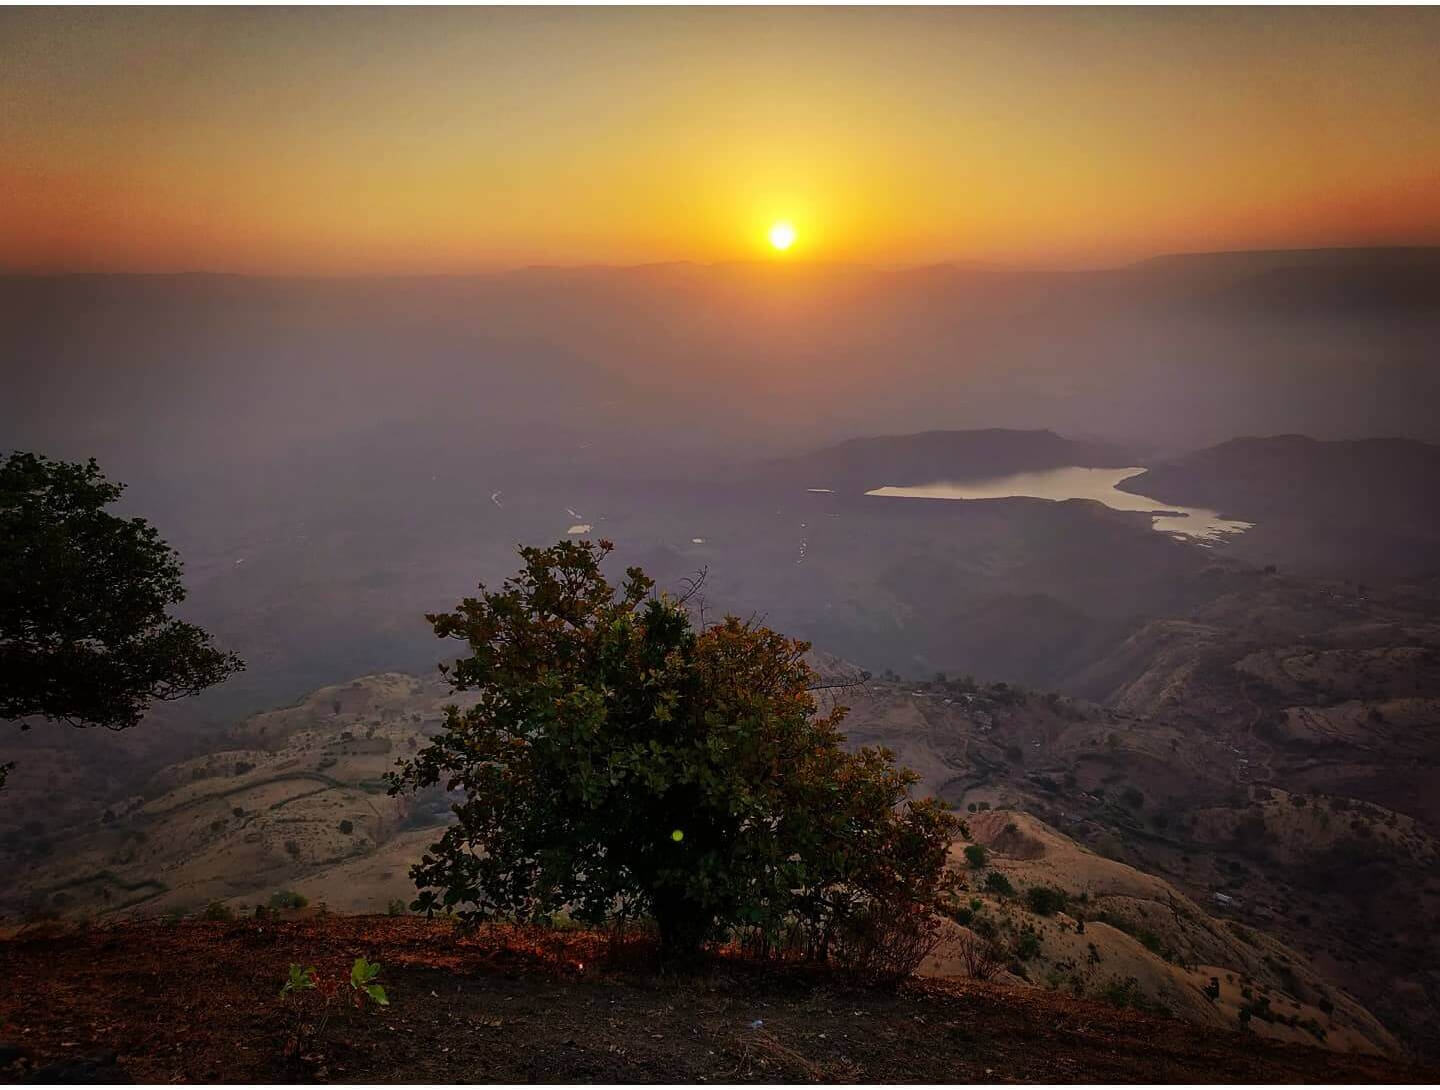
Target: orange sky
443, 140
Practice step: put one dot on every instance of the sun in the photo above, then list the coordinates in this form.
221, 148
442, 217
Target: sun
782, 236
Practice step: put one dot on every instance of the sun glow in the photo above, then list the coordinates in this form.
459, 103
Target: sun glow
782, 236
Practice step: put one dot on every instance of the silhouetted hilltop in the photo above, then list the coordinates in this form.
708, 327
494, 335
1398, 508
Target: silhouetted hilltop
1293, 474
1360, 507
939, 456
1320, 284
1332, 257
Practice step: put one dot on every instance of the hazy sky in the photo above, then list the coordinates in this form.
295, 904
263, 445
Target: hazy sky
407, 140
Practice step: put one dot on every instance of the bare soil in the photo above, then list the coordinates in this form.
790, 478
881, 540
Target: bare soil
199, 1001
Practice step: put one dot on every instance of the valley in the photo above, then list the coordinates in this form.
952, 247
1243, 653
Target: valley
1200, 781
1229, 765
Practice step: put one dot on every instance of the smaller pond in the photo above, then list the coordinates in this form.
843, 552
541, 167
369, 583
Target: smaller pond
1079, 483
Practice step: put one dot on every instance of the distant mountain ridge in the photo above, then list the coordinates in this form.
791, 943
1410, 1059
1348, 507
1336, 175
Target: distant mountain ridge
214, 370
968, 455
1354, 507
1263, 476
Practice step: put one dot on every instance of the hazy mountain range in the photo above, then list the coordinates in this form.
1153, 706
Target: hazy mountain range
592, 368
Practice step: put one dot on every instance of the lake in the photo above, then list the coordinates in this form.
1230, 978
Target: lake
1079, 483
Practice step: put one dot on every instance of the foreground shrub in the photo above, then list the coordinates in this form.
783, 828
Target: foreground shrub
619, 761
887, 942
288, 898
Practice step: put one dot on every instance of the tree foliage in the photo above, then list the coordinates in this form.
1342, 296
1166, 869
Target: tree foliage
84, 633
620, 761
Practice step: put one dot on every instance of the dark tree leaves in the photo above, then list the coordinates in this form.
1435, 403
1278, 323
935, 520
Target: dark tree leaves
619, 761
84, 633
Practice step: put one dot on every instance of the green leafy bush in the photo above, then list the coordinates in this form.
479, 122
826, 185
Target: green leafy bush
1128, 993
619, 761
218, 910
1147, 938
976, 855
1027, 945
1122, 992
995, 882
1046, 900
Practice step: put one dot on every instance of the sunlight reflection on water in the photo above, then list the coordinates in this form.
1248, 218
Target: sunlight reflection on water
1079, 483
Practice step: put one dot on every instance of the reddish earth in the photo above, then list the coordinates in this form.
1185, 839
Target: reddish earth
198, 1001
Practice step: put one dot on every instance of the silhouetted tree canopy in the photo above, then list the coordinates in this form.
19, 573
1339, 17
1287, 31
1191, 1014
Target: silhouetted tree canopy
84, 633
619, 762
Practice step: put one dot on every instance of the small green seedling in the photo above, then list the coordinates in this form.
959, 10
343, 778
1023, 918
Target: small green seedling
309, 1022
362, 983
301, 980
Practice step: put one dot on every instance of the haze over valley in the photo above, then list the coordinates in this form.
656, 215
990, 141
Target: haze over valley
386, 445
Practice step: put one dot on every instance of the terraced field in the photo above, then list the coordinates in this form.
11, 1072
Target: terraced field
297, 800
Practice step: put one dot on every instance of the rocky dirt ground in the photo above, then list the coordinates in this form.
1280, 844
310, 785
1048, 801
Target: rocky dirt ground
199, 1001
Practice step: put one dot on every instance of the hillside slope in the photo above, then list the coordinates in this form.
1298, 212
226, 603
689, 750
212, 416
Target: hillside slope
292, 798
1112, 932
295, 801
858, 465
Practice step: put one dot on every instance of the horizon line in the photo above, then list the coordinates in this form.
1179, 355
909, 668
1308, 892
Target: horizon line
958, 265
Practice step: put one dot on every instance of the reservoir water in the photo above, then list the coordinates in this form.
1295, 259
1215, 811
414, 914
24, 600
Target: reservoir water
1079, 483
